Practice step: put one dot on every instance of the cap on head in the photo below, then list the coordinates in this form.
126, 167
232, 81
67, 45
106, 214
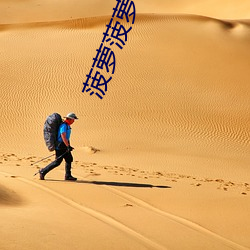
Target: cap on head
71, 116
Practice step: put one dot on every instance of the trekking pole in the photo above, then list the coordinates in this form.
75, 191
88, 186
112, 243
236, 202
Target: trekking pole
42, 159
46, 158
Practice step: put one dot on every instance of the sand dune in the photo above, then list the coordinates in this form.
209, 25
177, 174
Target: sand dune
198, 110
37, 11
162, 160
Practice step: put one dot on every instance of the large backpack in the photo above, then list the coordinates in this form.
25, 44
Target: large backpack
50, 130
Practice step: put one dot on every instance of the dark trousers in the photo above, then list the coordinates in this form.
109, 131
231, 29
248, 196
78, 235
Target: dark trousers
67, 156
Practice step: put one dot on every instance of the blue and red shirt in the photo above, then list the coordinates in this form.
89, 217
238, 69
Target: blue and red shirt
64, 128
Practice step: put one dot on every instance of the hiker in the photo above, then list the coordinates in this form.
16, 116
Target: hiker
63, 149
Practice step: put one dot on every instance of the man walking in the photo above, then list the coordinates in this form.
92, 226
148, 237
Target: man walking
63, 150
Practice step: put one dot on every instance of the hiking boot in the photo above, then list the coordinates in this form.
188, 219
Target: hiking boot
70, 178
41, 175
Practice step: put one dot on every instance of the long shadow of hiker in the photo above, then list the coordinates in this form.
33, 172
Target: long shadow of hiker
121, 184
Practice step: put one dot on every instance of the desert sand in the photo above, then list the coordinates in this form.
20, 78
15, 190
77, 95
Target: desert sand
162, 160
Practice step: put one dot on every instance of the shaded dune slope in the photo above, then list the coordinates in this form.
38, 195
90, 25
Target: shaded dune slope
9, 197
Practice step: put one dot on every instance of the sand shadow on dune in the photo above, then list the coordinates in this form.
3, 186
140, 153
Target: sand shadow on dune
122, 184
9, 197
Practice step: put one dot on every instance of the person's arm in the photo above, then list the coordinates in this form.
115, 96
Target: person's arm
66, 142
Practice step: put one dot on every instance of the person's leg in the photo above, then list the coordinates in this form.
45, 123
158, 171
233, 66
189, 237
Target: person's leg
52, 165
68, 160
